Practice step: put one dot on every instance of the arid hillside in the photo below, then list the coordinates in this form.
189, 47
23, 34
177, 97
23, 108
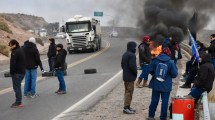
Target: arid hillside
16, 26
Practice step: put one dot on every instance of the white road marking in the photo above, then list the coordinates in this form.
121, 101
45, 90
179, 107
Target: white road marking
85, 98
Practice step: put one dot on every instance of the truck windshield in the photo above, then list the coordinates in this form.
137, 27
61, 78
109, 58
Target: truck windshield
78, 27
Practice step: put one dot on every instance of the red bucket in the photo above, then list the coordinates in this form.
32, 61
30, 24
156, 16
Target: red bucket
182, 109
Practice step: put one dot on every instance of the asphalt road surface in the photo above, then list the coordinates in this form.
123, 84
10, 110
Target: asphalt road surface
48, 104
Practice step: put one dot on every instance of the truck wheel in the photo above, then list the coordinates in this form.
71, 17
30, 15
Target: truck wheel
100, 44
94, 48
90, 71
97, 46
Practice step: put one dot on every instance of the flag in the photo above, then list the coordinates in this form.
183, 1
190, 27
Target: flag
194, 48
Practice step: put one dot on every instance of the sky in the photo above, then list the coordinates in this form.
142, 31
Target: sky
61, 10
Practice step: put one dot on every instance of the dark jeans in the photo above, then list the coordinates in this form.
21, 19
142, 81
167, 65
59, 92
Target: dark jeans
191, 76
17, 80
213, 62
188, 66
154, 103
60, 76
145, 72
196, 93
129, 89
51, 64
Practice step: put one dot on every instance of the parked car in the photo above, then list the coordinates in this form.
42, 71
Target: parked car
113, 34
60, 35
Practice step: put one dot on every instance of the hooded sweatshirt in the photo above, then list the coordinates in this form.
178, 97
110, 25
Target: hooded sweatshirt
32, 55
128, 63
172, 72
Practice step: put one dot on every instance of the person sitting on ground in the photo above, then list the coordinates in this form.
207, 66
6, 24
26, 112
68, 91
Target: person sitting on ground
201, 50
194, 67
144, 59
129, 67
162, 69
205, 77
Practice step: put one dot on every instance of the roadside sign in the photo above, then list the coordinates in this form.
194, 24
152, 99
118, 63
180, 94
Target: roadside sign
99, 14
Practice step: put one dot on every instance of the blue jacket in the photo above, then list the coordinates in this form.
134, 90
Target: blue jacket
172, 72
128, 63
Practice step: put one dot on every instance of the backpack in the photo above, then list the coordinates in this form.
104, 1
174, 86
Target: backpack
161, 71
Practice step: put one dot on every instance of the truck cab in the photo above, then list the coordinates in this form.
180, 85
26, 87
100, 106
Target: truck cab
82, 33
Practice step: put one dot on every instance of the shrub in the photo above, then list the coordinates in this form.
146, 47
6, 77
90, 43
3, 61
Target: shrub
40, 41
4, 50
4, 27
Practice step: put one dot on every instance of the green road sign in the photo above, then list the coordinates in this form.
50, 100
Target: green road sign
100, 14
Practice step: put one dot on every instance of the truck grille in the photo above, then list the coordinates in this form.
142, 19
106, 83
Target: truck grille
79, 41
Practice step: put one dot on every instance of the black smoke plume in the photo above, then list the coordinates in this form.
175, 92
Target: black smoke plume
164, 18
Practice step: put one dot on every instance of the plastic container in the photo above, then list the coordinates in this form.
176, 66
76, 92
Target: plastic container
182, 108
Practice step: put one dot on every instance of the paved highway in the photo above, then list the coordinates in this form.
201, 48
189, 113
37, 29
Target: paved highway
48, 104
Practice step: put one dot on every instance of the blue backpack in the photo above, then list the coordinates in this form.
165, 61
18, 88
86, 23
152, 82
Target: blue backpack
161, 71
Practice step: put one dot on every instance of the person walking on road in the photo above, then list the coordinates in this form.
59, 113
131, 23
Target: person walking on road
211, 49
162, 69
17, 70
60, 67
129, 67
32, 63
51, 54
144, 59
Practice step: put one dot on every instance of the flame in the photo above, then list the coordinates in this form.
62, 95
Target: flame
156, 51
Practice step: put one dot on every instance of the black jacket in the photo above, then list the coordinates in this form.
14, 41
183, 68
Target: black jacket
172, 46
60, 60
17, 61
205, 77
52, 50
211, 49
32, 56
144, 54
128, 63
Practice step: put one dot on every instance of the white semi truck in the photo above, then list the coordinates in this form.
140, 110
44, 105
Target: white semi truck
82, 33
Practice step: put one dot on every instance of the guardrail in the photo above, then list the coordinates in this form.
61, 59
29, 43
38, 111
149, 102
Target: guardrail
206, 113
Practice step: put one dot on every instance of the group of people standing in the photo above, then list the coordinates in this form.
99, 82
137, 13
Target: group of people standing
162, 67
24, 63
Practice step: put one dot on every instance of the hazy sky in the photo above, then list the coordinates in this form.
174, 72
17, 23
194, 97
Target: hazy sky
58, 10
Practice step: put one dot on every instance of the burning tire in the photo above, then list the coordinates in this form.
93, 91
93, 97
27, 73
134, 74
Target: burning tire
90, 71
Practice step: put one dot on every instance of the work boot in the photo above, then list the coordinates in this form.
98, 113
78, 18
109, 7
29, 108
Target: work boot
145, 83
138, 83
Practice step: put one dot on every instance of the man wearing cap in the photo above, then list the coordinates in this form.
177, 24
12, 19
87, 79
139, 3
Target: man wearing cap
144, 60
211, 49
32, 63
59, 66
